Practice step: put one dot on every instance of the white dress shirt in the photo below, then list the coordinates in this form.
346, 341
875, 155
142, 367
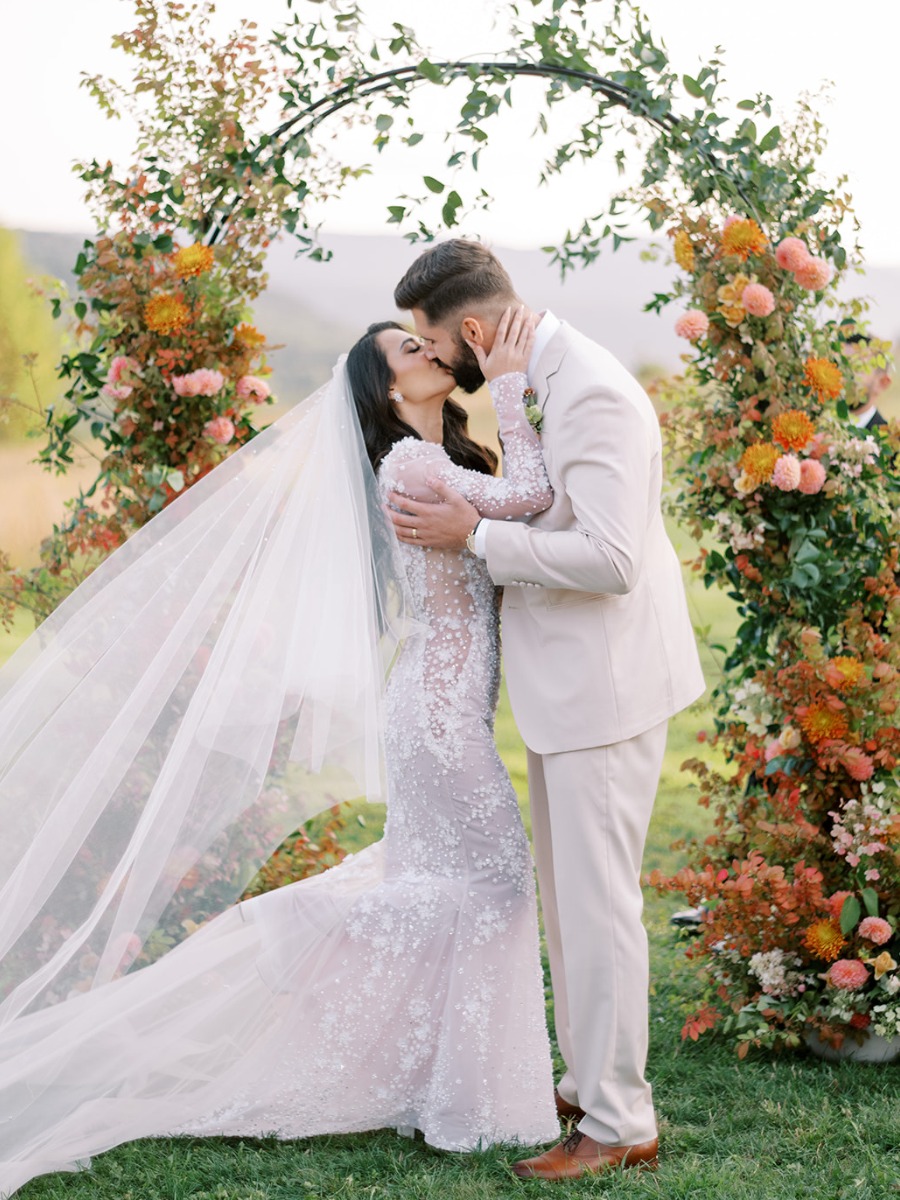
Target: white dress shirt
545, 330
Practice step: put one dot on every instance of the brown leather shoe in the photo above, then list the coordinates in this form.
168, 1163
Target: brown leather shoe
566, 1111
580, 1155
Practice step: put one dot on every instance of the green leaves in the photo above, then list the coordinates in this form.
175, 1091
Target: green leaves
450, 209
851, 911
433, 185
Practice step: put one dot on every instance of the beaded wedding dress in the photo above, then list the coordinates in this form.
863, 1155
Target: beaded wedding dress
401, 988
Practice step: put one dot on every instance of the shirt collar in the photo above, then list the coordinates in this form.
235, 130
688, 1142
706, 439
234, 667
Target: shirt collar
861, 422
546, 328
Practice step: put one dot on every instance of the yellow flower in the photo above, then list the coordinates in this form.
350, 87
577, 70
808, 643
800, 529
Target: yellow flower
883, 963
824, 940
166, 314
820, 722
758, 462
743, 238
729, 297
824, 378
847, 672
249, 336
792, 429
193, 260
684, 250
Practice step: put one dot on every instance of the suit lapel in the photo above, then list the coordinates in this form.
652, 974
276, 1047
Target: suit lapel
549, 363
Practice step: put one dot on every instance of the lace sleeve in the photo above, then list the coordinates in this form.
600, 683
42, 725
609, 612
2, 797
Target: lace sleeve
523, 489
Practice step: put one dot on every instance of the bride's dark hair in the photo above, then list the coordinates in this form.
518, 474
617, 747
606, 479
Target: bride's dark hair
371, 381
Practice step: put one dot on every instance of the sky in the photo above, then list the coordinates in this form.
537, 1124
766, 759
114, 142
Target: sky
783, 47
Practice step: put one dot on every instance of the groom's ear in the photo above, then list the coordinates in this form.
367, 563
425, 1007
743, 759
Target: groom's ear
472, 331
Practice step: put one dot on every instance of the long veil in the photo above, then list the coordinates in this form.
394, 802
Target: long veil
214, 684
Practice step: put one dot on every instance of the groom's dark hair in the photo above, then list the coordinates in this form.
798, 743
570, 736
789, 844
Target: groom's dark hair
449, 276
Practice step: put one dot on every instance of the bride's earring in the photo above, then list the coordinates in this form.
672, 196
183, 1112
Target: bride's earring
395, 396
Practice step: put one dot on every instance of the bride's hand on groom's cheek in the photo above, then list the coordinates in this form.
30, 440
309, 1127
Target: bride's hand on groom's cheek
444, 525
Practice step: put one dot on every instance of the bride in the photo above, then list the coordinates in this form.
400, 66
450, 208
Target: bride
217, 681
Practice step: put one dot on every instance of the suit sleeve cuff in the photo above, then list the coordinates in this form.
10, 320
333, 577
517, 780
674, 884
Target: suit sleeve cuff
480, 539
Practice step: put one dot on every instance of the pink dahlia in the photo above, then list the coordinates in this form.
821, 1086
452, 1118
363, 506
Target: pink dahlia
875, 930
786, 475
857, 764
220, 429
758, 300
249, 387
814, 274
199, 383
792, 254
692, 325
121, 365
812, 476
848, 974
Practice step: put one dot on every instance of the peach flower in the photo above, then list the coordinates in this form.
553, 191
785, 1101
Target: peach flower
198, 383
122, 364
883, 963
791, 254
220, 429
116, 391
249, 387
848, 974
857, 764
876, 930
814, 274
758, 300
692, 325
812, 477
786, 474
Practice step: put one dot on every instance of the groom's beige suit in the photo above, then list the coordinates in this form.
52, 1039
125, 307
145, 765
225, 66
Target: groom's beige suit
599, 653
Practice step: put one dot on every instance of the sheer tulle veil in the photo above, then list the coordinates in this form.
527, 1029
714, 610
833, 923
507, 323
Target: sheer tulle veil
215, 683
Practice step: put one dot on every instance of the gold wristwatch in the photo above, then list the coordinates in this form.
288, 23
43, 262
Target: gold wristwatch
470, 539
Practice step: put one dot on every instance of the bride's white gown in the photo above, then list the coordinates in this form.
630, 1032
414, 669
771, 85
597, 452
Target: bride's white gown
401, 988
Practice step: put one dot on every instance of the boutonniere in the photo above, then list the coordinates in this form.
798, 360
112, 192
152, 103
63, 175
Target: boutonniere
533, 411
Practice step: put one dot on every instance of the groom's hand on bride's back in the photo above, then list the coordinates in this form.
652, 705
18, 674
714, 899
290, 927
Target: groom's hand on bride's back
442, 525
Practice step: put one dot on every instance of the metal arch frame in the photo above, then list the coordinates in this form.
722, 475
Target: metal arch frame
314, 114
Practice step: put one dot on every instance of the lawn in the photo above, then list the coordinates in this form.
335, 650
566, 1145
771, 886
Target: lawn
767, 1128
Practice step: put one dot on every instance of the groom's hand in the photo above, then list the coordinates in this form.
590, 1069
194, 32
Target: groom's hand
443, 525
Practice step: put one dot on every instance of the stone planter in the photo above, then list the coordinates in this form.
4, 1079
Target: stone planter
874, 1049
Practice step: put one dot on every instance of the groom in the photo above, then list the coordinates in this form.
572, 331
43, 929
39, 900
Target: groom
599, 654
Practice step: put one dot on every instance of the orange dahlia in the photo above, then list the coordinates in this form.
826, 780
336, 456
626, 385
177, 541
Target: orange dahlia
166, 314
820, 722
758, 461
824, 940
743, 238
824, 378
792, 429
193, 260
845, 672
249, 337
730, 299
684, 250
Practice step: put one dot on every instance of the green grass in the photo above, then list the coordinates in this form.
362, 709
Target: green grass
763, 1129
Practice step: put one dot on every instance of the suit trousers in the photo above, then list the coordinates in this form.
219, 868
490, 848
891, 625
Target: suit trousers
590, 810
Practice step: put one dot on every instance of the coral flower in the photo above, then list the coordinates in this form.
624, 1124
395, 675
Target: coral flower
848, 974
249, 336
684, 250
791, 254
758, 461
792, 429
743, 238
875, 930
116, 391
824, 378
814, 275
220, 429
820, 723
122, 364
857, 764
845, 672
166, 314
758, 300
192, 260
883, 963
786, 474
812, 477
729, 297
692, 325
824, 940
199, 383
249, 387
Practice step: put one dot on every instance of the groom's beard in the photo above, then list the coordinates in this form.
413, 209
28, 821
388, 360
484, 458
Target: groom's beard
465, 368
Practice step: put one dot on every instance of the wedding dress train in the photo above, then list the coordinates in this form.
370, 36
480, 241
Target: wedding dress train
401, 988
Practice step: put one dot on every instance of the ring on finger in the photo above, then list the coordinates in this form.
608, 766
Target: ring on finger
415, 532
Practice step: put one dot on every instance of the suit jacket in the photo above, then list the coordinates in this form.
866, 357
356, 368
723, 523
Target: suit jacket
598, 642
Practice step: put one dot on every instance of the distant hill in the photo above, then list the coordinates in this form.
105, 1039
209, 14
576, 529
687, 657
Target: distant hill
318, 309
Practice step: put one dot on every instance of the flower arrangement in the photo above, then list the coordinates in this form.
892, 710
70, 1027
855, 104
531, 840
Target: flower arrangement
800, 876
